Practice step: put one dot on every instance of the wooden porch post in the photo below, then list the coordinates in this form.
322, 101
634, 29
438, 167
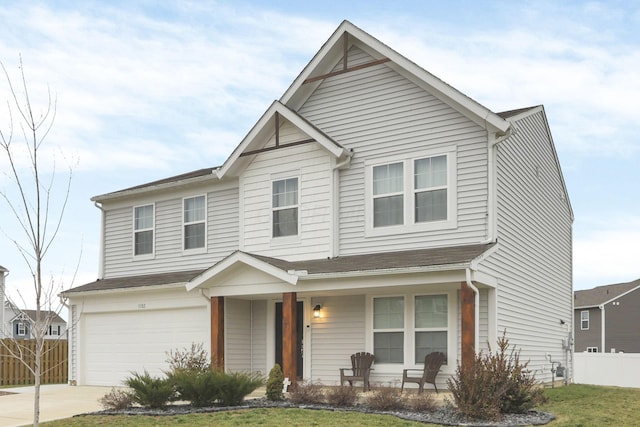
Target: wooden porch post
468, 324
289, 337
217, 333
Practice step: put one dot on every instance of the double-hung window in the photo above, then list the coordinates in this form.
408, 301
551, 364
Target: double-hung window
143, 220
388, 329
430, 189
406, 195
388, 195
584, 320
285, 207
430, 322
194, 222
22, 329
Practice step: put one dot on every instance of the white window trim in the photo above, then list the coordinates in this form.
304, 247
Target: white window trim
588, 320
152, 229
409, 225
409, 330
184, 224
285, 240
22, 326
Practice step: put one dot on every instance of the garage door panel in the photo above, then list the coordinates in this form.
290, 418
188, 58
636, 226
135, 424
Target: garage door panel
117, 344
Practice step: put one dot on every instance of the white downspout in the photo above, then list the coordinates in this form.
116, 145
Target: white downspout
335, 239
602, 325
3, 273
476, 294
101, 249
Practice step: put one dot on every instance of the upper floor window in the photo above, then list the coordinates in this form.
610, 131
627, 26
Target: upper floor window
584, 320
408, 195
285, 207
143, 230
21, 329
194, 222
388, 196
54, 330
592, 349
430, 189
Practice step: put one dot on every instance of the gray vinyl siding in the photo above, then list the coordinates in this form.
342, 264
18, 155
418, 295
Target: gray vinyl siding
312, 166
621, 324
336, 335
222, 235
378, 113
237, 335
591, 337
534, 261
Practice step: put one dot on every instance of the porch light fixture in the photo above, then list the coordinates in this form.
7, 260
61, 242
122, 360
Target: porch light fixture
316, 311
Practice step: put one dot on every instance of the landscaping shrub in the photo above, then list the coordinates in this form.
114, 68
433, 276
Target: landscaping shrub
385, 399
200, 388
195, 359
423, 402
117, 399
234, 387
153, 392
275, 383
307, 392
495, 383
342, 396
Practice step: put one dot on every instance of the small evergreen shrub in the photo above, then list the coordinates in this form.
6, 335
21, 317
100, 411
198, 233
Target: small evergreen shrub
385, 399
275, 383
342, 396
153, 392
200, 388
195, 359
307, 392
234, 387
117, 399
495, 383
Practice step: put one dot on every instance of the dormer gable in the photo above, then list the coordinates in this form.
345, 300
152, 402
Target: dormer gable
268, 129
334, 52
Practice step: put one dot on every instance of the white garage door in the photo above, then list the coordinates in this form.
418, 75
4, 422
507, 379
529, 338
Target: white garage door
116, 344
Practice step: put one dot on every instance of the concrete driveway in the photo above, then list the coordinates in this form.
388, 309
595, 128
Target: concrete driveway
56, 402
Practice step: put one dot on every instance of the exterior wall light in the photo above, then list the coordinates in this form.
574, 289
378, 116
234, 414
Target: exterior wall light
316, 311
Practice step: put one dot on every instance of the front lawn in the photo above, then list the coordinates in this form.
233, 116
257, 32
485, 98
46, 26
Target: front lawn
575, 405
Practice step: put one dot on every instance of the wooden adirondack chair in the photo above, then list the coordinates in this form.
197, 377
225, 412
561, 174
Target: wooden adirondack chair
360, 369
432, 363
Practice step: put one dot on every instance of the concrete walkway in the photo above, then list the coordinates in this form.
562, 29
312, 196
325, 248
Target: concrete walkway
56, 402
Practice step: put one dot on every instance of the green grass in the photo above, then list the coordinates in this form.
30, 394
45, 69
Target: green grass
575, 406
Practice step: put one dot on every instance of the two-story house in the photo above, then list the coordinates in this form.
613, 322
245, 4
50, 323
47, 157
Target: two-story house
373, 207
16, 323
606, 318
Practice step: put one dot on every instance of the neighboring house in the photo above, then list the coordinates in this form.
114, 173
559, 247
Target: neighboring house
606, 318
16, 323
371, 208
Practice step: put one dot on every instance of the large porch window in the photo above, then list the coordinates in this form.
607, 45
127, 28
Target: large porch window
406, 329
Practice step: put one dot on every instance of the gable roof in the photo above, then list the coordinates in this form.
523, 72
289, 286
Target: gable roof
53, 316
265, 128
603, 294
446, 258
346, 35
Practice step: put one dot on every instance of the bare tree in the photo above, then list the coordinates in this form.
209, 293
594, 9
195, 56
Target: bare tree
38, 207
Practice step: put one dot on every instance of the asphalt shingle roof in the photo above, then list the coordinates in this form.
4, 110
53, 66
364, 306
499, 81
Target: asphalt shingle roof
601, 294
354, 263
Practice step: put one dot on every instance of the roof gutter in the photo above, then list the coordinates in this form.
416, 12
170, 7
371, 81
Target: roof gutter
304, 275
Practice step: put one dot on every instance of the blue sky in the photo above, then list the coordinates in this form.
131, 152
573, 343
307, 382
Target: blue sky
150, 89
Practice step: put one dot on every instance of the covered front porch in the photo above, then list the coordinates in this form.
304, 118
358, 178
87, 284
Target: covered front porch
310, 320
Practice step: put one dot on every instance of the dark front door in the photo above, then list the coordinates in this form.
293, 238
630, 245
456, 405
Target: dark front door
299, 332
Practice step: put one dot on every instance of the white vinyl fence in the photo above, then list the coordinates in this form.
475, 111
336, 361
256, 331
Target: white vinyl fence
612, 369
